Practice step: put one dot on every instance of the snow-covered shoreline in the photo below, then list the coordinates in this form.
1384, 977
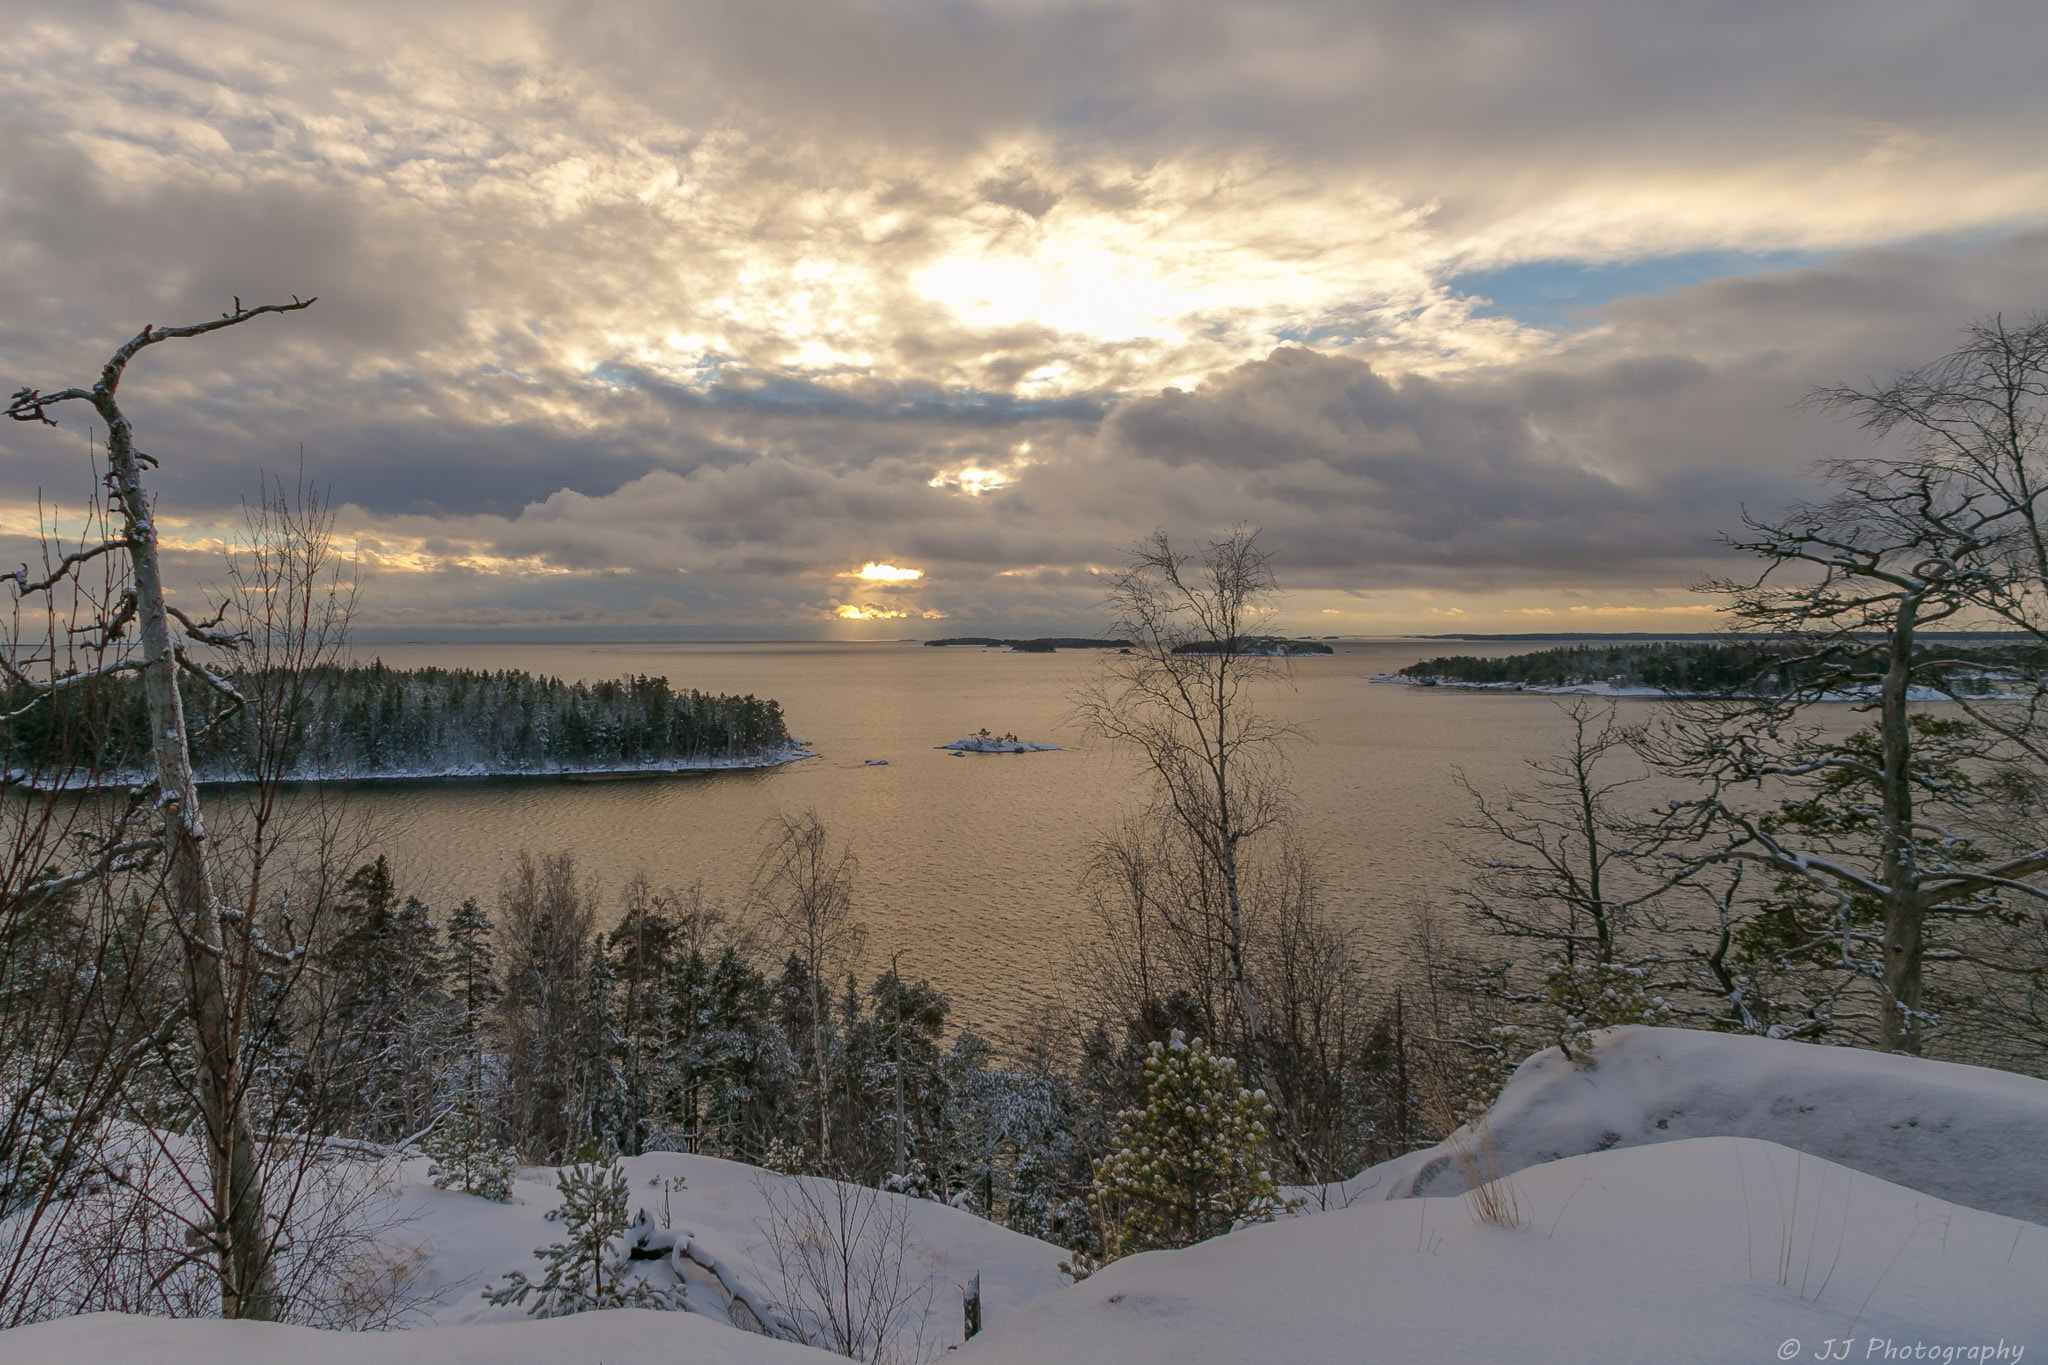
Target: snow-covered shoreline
792, 752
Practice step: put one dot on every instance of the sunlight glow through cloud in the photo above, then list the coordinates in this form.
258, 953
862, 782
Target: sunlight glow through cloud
869, 611
885, 573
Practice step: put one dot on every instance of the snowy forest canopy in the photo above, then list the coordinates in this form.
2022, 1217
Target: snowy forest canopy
369, 720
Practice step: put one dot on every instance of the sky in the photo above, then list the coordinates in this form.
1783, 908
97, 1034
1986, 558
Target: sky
907, 318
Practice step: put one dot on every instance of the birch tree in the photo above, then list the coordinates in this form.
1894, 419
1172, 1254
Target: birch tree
803, 892
1186, 699
165, 821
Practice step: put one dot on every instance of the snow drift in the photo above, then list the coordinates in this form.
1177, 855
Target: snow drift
1967, 1134
1713, 1250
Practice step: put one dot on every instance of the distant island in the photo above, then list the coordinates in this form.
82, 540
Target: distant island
1256, 645
1044, 644
371, 722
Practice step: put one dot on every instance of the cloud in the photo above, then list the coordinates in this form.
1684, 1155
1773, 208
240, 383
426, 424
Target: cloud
1609, 609
639, 315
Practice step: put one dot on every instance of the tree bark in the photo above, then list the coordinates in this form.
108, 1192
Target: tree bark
1903, 912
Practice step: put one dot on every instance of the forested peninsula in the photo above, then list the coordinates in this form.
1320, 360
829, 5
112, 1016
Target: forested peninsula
1697, 668
369, 721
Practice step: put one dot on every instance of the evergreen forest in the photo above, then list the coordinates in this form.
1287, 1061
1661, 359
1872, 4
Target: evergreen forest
370, 720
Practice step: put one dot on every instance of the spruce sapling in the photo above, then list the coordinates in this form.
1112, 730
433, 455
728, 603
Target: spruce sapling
586, 1270
466, 1153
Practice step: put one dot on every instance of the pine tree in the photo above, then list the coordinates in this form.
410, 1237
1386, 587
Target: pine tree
735, 1074
644, 969
1188, 1166
890, 1086
586, 1270
470, 973
547, 927
1017, 1144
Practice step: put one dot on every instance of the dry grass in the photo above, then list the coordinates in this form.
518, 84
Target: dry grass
1490, 1197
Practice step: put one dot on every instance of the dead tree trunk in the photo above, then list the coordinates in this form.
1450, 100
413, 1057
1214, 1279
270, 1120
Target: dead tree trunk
239, 1234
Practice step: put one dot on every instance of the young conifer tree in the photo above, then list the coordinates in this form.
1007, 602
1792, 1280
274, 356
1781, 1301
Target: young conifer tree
1190, 1165
589, 1268
467, 1153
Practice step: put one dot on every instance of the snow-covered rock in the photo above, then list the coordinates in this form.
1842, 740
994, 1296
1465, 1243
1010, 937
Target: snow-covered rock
713, 1211
720, 1207
1967, 1134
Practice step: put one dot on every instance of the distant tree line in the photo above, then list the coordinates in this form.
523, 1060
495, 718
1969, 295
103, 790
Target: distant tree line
366, 720
1044, 644
1273, 645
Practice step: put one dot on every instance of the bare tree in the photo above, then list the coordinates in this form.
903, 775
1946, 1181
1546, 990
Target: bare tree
1895, 829
803, 892
1186, 698
1211, 907
1555, 869
1975, 425
240, 1237
848, 1263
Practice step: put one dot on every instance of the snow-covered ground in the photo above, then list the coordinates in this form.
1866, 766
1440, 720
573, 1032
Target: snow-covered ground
622, 1337
721, 1207
1689, 1197
1710, 1250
